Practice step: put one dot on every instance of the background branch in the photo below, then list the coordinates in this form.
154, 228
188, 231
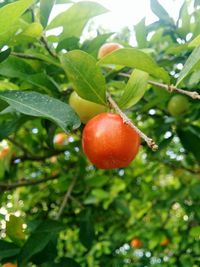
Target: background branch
25, 182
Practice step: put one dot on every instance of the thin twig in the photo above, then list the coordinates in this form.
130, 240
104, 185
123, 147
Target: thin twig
168, 88
172, 88
26, 56
44, 41
126, 120
66, 197
19, 145
25, 182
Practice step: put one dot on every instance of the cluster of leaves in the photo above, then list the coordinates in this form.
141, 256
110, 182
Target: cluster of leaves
156, 197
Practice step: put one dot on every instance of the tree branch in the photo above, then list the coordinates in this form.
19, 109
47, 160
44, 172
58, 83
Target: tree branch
44, 41
66, 198
25, 182
126, 120
168, 88
26, 56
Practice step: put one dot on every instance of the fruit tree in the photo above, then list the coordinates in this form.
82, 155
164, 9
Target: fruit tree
99, 138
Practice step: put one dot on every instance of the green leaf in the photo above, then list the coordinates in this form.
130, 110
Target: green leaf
10, 13
39, 105
64, 262
141, 34
184, 18
39, 239
195, 42
85, 75
4, 54
160, 12
135, 58
7, 249
92, 46
45, 10
87, 234
134, 89
190, 137
189, 64
68, 44
195, 231
74, 19
14, 229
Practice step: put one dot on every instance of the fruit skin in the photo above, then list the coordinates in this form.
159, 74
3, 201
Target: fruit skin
34, 30
164, 242
4, 152
136, 243
60, 138
108, 142
9, 265
105, 49
178, 105
84, 108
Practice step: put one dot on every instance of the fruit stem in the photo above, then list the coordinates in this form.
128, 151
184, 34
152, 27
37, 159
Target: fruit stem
169, 88
126, 120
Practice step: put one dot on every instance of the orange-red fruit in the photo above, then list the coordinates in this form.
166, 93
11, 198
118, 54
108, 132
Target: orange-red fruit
9, 265
165, 242
60, 138
136, 243
4, 152
105, 49
108, 142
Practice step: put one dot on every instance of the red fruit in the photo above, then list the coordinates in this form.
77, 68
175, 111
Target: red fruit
136, 243
107, 48
164, 242
108, 142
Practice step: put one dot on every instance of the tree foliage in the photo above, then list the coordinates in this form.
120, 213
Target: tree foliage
56, 208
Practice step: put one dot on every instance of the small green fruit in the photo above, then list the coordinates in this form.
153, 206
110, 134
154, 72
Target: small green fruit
178, 105
84, 108
34, 30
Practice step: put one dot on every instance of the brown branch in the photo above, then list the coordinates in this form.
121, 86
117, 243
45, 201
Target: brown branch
44, 41
25, 182
66, 197
168, 88
126, 120
172, 88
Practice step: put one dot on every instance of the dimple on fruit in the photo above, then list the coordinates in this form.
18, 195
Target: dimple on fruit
108, 142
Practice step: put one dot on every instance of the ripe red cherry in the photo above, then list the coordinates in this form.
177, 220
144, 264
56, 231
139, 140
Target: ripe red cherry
108, 142
136, 243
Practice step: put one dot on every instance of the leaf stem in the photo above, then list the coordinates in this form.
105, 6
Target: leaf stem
126, 120
44, 41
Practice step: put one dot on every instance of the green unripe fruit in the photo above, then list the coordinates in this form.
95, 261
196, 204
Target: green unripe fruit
178, 105
84, 108
34, 30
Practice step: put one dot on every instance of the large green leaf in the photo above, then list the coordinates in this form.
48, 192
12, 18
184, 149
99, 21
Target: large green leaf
10, 13
160, 12
39, 105
85, 75
4, 54
74, 19
135, 58
141, 33
190, 137
189, 64
87, 233
14, 229
134, 89
45, 10
7, 249
39, 239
